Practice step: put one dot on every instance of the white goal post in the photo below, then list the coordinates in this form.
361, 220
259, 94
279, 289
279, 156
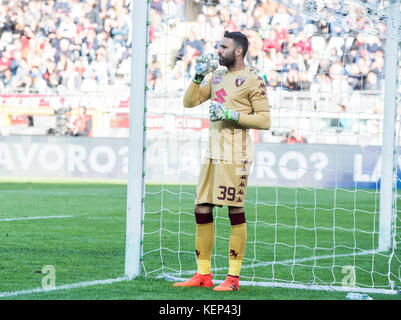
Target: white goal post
389, 171
135, 184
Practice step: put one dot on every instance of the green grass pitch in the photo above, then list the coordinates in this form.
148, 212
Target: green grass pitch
294, 235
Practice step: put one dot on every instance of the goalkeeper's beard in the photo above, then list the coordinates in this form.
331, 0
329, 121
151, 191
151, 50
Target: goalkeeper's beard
227, 61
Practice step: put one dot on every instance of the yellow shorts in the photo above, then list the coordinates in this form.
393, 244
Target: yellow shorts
222, 184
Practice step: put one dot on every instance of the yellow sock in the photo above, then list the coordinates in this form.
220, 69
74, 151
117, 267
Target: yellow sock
204, 245
237, 246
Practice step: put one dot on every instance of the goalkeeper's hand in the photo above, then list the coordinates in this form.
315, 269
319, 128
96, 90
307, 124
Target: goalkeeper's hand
205, 64
218, 112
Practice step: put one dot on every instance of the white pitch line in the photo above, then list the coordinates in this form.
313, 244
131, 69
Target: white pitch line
64, 287
35, 218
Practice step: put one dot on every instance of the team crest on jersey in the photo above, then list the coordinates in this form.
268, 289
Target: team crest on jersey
239, 81
217, 80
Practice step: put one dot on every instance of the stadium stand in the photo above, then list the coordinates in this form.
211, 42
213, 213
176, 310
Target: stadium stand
83, 46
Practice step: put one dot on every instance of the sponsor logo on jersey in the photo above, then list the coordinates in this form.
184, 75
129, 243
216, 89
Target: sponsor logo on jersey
217, 80
220, 94
239, 81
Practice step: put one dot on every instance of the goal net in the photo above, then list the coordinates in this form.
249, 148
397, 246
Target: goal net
315, 210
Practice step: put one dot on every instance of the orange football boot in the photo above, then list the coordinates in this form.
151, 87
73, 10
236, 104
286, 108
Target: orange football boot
230, 284
198, 280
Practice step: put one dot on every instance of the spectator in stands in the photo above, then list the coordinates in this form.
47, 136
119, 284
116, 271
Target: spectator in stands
180, 9
157, 5
225, 17
5, 60
337, 75
100, 68
293, 80
294, 59
282, 18
324, 66
271, 41
372, 82
377, 65
373, 44
354, 77
256, 49
82, 126
7, 81
192, 41
170, 9
120, 31
294, 137
296, 22
342, 123
320, 88
154, 73
282, 36
303, 44
273, 79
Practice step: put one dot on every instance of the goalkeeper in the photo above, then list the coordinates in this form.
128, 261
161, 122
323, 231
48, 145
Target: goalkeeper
238, 103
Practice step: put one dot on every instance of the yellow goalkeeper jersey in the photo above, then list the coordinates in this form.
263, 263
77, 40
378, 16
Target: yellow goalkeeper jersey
243, 91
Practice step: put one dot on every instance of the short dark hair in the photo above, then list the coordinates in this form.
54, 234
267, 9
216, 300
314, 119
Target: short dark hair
240, 40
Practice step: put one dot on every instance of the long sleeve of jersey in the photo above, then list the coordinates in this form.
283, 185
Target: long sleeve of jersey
196, 94
260, 118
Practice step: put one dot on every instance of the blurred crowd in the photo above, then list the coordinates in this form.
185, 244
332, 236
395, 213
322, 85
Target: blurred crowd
84, 45
291, 50
62, 45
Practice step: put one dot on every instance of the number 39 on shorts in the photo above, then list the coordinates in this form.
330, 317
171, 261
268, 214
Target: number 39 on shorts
226, 193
